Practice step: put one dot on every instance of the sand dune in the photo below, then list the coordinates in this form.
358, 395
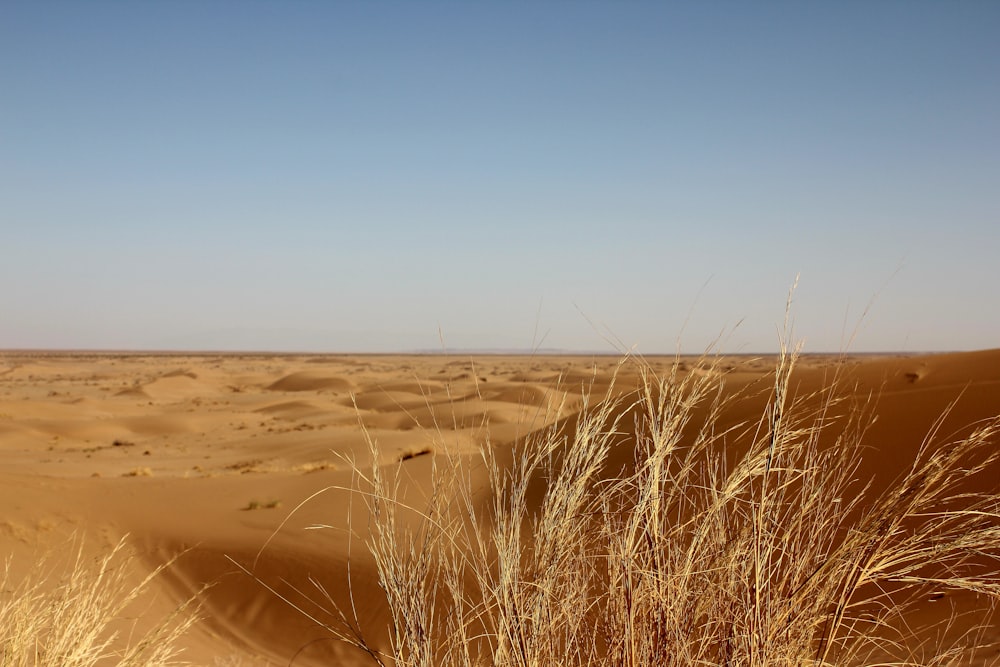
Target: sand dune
310, 381
207, 455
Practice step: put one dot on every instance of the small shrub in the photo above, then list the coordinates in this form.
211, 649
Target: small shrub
257, 505
748, 544
72, 623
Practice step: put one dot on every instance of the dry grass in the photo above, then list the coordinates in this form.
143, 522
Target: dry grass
753, 544
75, 620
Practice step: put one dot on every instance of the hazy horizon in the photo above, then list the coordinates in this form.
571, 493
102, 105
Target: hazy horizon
353, 177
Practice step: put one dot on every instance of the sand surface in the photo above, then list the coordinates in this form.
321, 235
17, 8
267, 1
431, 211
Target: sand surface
209, 454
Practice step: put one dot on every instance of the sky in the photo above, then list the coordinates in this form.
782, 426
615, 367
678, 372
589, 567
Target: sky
577, 176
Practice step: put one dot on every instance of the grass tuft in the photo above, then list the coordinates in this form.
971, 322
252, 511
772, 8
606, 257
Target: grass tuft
713, 544
74, 620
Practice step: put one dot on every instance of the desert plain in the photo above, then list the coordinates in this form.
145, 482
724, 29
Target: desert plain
241, 466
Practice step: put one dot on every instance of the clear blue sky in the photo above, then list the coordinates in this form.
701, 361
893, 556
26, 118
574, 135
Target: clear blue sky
358, 176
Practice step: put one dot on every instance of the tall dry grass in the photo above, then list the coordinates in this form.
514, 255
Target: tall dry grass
75, 617
706, 544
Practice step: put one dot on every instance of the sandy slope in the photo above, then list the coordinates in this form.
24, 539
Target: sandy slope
210, 453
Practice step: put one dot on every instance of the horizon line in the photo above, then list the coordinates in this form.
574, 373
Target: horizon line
432, 352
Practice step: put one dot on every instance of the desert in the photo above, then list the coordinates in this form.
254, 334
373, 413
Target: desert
246, 474
491, 334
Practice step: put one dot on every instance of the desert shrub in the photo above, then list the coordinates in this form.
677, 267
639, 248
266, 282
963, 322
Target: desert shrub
72, 619
749, 544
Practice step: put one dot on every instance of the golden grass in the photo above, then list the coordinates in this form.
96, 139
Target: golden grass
75, 619
754, 544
